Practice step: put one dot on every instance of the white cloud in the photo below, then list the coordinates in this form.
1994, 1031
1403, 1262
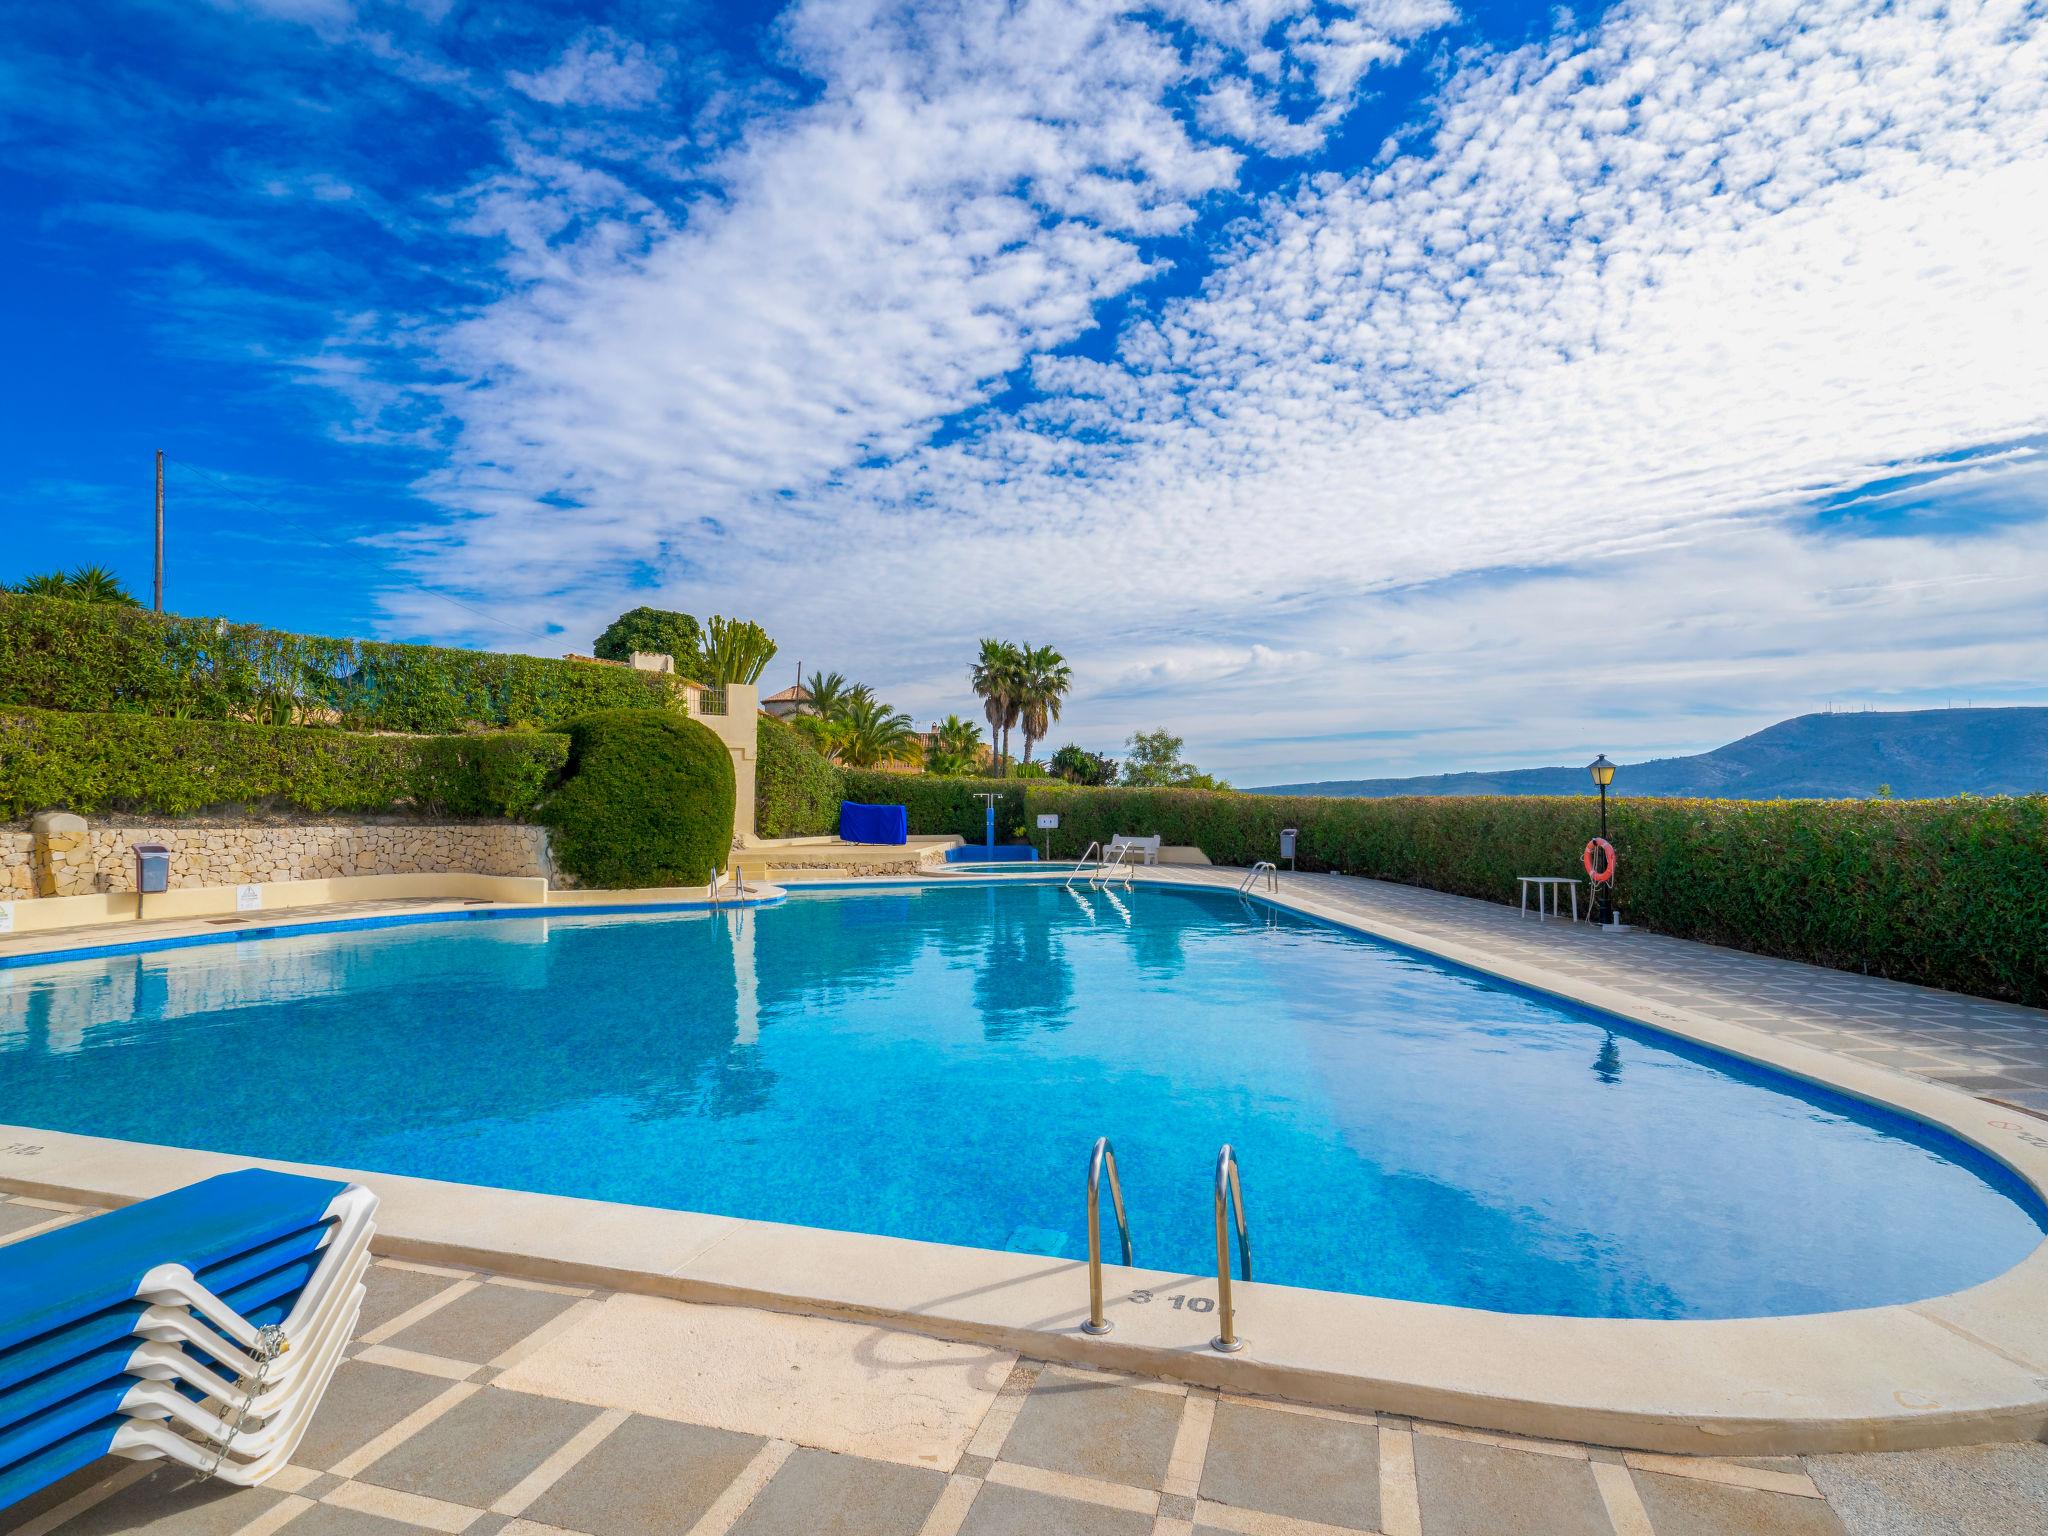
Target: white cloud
1639, 288
600, 69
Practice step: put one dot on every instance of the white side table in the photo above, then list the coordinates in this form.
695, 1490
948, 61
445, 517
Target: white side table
1549, 883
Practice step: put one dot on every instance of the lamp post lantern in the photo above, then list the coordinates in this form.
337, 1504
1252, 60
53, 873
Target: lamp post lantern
1603, 891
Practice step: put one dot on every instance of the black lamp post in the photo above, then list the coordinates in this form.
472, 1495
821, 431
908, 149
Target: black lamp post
1603, 893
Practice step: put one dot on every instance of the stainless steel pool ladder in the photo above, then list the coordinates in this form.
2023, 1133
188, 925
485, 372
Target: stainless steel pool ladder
1104, 1156
1081, 864
1104, 865
1264, 867
1227, 1184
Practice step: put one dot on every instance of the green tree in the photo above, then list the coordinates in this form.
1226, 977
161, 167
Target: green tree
87, 584
996, 677
869, 732
956, 747
735, 651
1043, 682
828, 692
1079, 766
659, 631
1155, 763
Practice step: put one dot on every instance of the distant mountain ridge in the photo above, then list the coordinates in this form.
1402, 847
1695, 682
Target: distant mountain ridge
1920, 753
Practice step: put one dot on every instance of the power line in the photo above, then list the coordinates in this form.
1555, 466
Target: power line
340, 549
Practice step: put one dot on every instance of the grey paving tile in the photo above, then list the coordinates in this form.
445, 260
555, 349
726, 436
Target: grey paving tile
1001, 1511
395, 1291
1096, 1427
333, 1520
1471, 1489
1691, 1506
648, 1477
1291, 1464
475, 1452
1978, 1490
483, 1324
817, 1493
361, 1402
19, 1218
170, 1501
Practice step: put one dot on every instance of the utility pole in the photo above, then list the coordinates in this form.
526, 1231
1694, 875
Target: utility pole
159, 530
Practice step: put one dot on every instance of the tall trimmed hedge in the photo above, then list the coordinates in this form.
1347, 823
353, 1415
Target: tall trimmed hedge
797, 789
98, 658
939, 805
148, 767
646, 800
1945, 893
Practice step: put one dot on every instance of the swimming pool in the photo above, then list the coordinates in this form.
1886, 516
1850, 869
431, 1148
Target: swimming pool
934, 1062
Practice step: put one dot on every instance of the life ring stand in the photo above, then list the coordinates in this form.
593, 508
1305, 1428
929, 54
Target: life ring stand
1605, 872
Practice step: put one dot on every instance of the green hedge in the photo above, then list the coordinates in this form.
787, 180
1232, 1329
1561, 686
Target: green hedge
797, 789
938, 805
148, 767
97, 658
1946, 893
646, 800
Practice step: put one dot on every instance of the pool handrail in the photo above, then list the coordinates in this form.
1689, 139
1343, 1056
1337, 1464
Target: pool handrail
1081, 864
1264, 867
1103, 1155
1227, 1183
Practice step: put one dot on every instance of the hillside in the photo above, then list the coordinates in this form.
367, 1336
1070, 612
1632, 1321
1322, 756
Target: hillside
1921, 754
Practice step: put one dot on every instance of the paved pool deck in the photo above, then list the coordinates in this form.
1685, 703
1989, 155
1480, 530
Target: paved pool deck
477, 1404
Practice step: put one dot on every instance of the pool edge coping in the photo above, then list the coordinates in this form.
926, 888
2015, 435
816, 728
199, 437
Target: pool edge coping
1969, 1366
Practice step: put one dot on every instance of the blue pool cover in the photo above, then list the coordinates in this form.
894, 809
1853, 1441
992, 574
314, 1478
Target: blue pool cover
873, 823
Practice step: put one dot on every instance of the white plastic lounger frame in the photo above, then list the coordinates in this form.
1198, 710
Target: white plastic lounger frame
175, 1285
281, 1411
169, 1323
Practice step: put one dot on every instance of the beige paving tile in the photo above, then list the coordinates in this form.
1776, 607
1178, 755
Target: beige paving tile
168, 1501
1068, 1485
406, 1508
362, 1402
393, 1292
836, 1386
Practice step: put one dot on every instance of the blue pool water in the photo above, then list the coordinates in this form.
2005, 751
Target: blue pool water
936, 1062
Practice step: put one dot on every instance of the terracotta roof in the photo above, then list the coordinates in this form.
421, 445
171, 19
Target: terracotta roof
795, 693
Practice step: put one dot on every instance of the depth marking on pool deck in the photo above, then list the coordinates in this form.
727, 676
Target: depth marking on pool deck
1954, 1369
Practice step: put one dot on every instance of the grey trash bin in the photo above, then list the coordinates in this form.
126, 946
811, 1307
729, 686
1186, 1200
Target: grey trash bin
152, 868
1287, 837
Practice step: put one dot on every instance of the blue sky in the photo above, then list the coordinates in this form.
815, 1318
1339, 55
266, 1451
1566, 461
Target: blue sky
1355, 388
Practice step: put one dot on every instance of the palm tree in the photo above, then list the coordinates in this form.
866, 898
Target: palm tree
995, 677
827, 692
956, 746
97, 584
1043, 683
870, 732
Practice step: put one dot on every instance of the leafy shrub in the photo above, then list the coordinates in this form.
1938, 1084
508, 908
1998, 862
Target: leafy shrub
938, 806
797, 789
1945, 893
98, 658
148, 767
657, 631
646, 800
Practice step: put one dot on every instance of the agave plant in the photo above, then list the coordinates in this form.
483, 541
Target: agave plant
97, 584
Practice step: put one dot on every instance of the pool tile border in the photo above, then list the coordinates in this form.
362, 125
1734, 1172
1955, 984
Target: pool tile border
1968, 1367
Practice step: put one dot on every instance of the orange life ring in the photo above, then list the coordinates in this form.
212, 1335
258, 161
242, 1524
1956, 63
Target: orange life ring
1605, 872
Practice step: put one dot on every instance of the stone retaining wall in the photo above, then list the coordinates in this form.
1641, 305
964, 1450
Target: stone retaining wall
64, 857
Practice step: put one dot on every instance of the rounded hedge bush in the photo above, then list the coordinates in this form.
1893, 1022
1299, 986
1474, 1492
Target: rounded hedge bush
646, 800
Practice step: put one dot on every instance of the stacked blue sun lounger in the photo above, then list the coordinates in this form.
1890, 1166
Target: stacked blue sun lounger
200, 1327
